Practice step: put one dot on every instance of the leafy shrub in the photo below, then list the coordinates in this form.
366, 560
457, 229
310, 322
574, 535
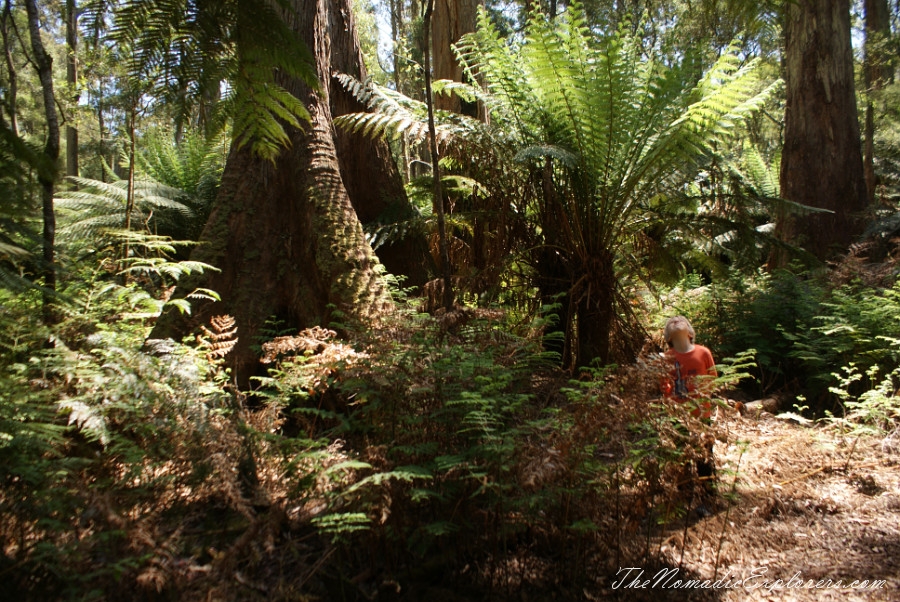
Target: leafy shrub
874, 411
855, 324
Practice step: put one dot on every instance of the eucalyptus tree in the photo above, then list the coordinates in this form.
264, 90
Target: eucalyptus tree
71, 14
285, 227
877, 73
452, 19
601, 139
821, 164
11, 85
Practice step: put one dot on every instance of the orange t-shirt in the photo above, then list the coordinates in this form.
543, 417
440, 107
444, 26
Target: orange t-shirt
687, 366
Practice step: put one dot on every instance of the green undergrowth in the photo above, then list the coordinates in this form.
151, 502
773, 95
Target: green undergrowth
428, 450
447, 450
473, 454
831, 341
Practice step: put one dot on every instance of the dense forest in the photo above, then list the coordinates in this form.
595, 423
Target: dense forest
372, 299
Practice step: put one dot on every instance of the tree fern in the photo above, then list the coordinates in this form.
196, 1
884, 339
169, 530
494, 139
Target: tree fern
96, 208
606, 139
193, 167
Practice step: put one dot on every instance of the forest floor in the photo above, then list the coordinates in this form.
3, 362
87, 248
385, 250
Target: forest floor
809, 505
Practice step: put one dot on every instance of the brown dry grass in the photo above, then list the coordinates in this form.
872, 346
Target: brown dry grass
806, 501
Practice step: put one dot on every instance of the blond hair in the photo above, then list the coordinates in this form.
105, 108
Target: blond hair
676, 324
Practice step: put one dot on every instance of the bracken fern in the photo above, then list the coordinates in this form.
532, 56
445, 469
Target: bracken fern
605, 141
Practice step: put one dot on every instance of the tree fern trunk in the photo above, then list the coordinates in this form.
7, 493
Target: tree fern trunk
594, 295
286, 235
438, 200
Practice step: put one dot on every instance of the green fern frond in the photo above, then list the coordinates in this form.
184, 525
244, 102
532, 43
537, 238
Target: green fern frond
379, 235
394, 115
542, 151
96, 207
466, 92
190, 49
8, 249
151, 256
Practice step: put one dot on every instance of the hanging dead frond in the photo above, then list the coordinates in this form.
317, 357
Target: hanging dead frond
220, 338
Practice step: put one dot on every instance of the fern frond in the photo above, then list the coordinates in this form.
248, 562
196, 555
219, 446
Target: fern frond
220, 338
394, 115
551, 151
99, 206
188, 49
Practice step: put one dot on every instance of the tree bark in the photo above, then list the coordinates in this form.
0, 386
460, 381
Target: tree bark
397, 31
131, 121
13, 84
877, 72
821, 165
72, 81
438, 201
595, 309
44, 64
285, 234
101, 127
452, 20
367, 166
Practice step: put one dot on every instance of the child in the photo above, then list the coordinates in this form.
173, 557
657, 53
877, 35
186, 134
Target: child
688, 362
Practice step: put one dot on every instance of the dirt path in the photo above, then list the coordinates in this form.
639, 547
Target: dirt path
808, 503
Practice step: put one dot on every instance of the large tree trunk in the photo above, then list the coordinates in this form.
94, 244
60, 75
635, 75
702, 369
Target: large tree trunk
286, 235
367, 167
44, 65
397, 32
877, 72
452, 20
821, 165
